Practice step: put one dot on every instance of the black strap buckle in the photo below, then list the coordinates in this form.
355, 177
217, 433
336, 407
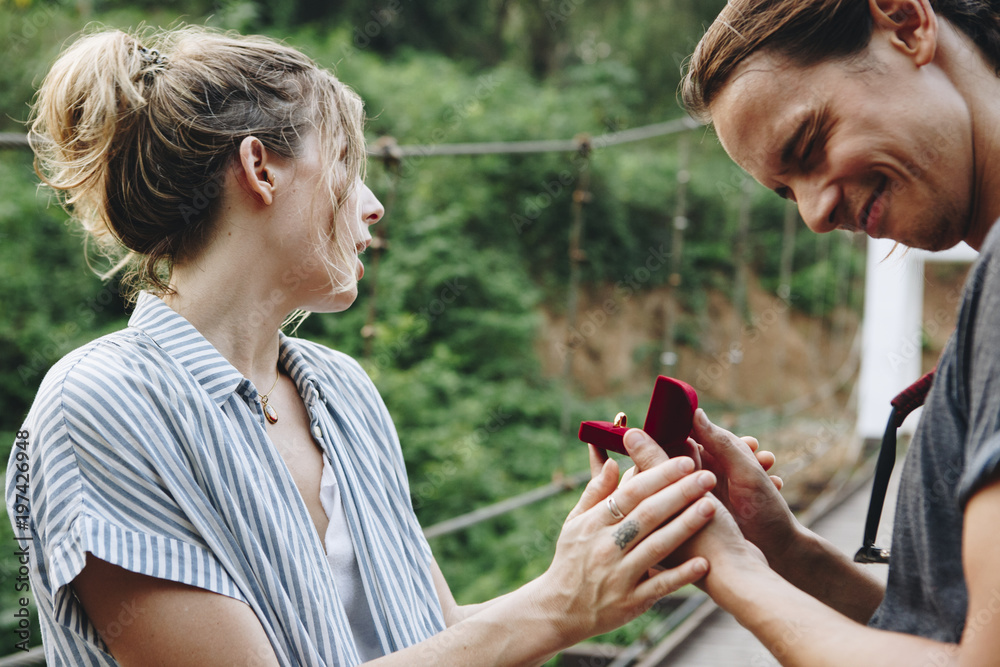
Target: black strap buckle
870, 553
906, 402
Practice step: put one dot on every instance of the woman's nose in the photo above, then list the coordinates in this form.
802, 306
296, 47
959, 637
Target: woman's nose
371, 208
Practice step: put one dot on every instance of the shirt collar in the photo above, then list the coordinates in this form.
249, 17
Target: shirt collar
178, 338
295, 362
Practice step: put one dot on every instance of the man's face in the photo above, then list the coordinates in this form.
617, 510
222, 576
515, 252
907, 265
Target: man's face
874, 144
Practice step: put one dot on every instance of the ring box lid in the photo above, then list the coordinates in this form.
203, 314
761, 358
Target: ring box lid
668, 420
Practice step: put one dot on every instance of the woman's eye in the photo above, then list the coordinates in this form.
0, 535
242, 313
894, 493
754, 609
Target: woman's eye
784, 193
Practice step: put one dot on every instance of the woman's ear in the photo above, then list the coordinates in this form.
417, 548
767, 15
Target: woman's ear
255, 174
911, 26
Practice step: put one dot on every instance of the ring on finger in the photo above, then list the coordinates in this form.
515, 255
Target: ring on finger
613, 508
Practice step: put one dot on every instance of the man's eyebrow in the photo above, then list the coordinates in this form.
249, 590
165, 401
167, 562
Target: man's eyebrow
788, 150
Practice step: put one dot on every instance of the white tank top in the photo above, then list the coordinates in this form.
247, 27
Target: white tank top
344, 563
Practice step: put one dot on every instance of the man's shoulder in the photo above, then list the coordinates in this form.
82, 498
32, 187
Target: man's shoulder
991, 244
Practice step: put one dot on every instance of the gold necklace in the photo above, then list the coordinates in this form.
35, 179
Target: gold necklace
270, 413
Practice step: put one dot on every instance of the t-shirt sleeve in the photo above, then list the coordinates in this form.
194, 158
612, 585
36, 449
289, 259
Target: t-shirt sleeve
107, 478
981, 343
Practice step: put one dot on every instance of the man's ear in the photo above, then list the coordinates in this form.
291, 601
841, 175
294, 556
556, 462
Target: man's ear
254, 173
911, 26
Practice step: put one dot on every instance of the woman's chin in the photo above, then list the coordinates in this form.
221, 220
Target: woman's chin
334, 303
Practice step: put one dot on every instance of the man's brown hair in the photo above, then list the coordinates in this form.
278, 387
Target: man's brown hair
807, 32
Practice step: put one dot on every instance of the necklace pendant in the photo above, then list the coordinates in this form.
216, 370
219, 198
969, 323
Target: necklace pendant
269, 413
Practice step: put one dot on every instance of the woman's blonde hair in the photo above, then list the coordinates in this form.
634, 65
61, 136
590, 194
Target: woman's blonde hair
135, 131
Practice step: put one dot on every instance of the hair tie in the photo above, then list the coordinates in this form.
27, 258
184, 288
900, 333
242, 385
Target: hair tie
152, 57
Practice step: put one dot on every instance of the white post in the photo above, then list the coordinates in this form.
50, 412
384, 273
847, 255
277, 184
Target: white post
891, 332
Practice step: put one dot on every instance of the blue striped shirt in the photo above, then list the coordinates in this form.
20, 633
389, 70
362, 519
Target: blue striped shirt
148, 449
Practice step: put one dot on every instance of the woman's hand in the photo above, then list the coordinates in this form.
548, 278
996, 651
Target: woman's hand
599, 578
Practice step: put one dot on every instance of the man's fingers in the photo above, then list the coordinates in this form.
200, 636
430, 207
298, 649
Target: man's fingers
765, 459
667, 581
778, 482
692, 450
720, 443
751, 441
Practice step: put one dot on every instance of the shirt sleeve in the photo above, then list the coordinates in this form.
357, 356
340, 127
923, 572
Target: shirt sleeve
979, 335
107, 478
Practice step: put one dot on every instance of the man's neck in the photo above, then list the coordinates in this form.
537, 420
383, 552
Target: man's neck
977, 80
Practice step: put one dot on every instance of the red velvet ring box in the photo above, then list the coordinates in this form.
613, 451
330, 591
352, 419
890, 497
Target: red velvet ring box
668, 421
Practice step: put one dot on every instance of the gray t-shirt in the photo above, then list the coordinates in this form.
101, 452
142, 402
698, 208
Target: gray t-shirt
954, 453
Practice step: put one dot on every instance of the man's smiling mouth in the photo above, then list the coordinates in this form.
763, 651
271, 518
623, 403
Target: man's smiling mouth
873, 210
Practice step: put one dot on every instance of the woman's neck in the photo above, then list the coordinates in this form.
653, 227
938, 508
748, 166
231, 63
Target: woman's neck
236, 307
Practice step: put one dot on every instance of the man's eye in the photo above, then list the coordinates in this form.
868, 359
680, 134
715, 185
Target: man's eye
784, 193
808, 150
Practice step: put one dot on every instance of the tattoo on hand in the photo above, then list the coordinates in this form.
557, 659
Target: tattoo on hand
626, 533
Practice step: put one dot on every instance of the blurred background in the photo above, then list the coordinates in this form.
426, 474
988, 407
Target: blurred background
517, 289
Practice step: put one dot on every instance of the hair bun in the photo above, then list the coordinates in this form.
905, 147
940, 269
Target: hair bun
139, 158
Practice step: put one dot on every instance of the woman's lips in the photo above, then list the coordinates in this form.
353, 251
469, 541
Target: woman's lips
361, 247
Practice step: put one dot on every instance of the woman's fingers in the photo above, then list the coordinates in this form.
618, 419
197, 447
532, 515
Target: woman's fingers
778, 482
643, 449
661, 544
752, 441
629, 474
598, 488
649, 531
645, 484
679, 530
598, 457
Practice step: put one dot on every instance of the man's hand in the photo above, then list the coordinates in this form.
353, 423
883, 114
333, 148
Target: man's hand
745, 488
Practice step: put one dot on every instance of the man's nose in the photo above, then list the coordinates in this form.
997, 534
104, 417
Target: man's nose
818, 203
